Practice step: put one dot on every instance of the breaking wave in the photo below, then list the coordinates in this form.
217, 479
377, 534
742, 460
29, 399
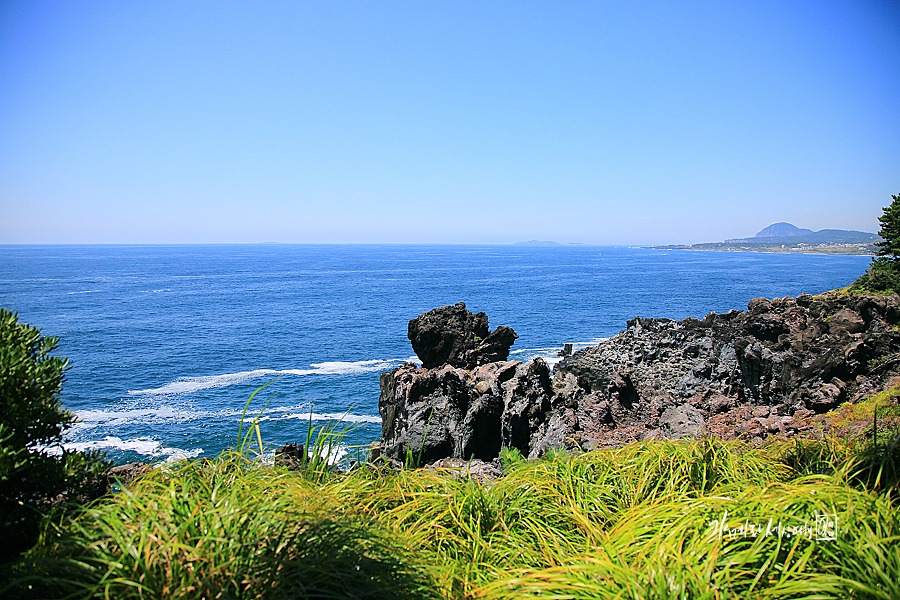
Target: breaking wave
141, 445
90, 419
551, 354
186, 385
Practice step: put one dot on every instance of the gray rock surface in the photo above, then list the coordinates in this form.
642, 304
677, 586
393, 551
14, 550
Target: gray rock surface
450, 412
126, 474
473, 469
681, 421
781, 350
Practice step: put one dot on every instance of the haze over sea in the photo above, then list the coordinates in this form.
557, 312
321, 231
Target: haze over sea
167, 343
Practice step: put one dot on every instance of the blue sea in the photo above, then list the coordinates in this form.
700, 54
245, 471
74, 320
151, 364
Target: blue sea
167, 343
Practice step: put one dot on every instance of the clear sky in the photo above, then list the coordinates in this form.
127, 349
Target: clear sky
448, 122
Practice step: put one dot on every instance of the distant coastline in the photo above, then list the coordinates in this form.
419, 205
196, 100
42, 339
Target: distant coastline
846, 249
788, 239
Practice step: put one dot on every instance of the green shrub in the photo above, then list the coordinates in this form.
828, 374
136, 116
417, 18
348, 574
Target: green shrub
32, 420
510, 458
884, 272
882, 276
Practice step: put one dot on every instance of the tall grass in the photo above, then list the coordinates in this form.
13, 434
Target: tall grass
222, 528
699, 519
637, 523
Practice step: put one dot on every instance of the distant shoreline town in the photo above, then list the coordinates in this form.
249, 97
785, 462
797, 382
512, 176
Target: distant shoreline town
789, 239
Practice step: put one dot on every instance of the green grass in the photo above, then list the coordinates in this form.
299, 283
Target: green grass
884, 402
222, 528
659, 519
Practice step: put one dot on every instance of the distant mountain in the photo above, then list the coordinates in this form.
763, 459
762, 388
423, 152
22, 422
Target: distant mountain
782, 230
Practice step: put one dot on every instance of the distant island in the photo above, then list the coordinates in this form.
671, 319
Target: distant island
788, 238
537, 243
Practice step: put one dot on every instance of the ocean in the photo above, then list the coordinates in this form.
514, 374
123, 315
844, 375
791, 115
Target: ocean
167, 343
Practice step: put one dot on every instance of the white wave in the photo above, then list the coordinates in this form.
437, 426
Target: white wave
536, 350
186, 385
555, 349
335, 454
346, 418
82, 292
303, 410
551, 354
142, 445
90, 419
343, 368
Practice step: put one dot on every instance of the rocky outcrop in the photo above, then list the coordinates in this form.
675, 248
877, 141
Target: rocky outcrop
291, 455
766, 371
453, 335
450, 412
748, 374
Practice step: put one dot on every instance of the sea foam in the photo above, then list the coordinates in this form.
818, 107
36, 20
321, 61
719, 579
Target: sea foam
90, 419
186, 385
141, 445
551, 354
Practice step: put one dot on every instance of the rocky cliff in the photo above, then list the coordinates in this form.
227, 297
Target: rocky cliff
745, 374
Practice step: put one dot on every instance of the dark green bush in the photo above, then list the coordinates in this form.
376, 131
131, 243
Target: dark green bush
884, 272
882, 276
32, 421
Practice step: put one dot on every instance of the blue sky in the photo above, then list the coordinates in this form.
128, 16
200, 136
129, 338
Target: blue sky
446, 122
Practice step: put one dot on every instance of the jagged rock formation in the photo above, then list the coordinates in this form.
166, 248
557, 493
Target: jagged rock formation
450, 412
746, 375
452, 335
125, 474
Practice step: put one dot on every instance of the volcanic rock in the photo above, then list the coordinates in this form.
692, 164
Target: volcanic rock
126, 474
784, 357
450, 412
473, 469
453, 335
290, 455
681, 421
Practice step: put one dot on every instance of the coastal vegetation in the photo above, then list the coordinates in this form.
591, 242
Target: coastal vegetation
787, 238
827, 241
33, 479
660, 519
